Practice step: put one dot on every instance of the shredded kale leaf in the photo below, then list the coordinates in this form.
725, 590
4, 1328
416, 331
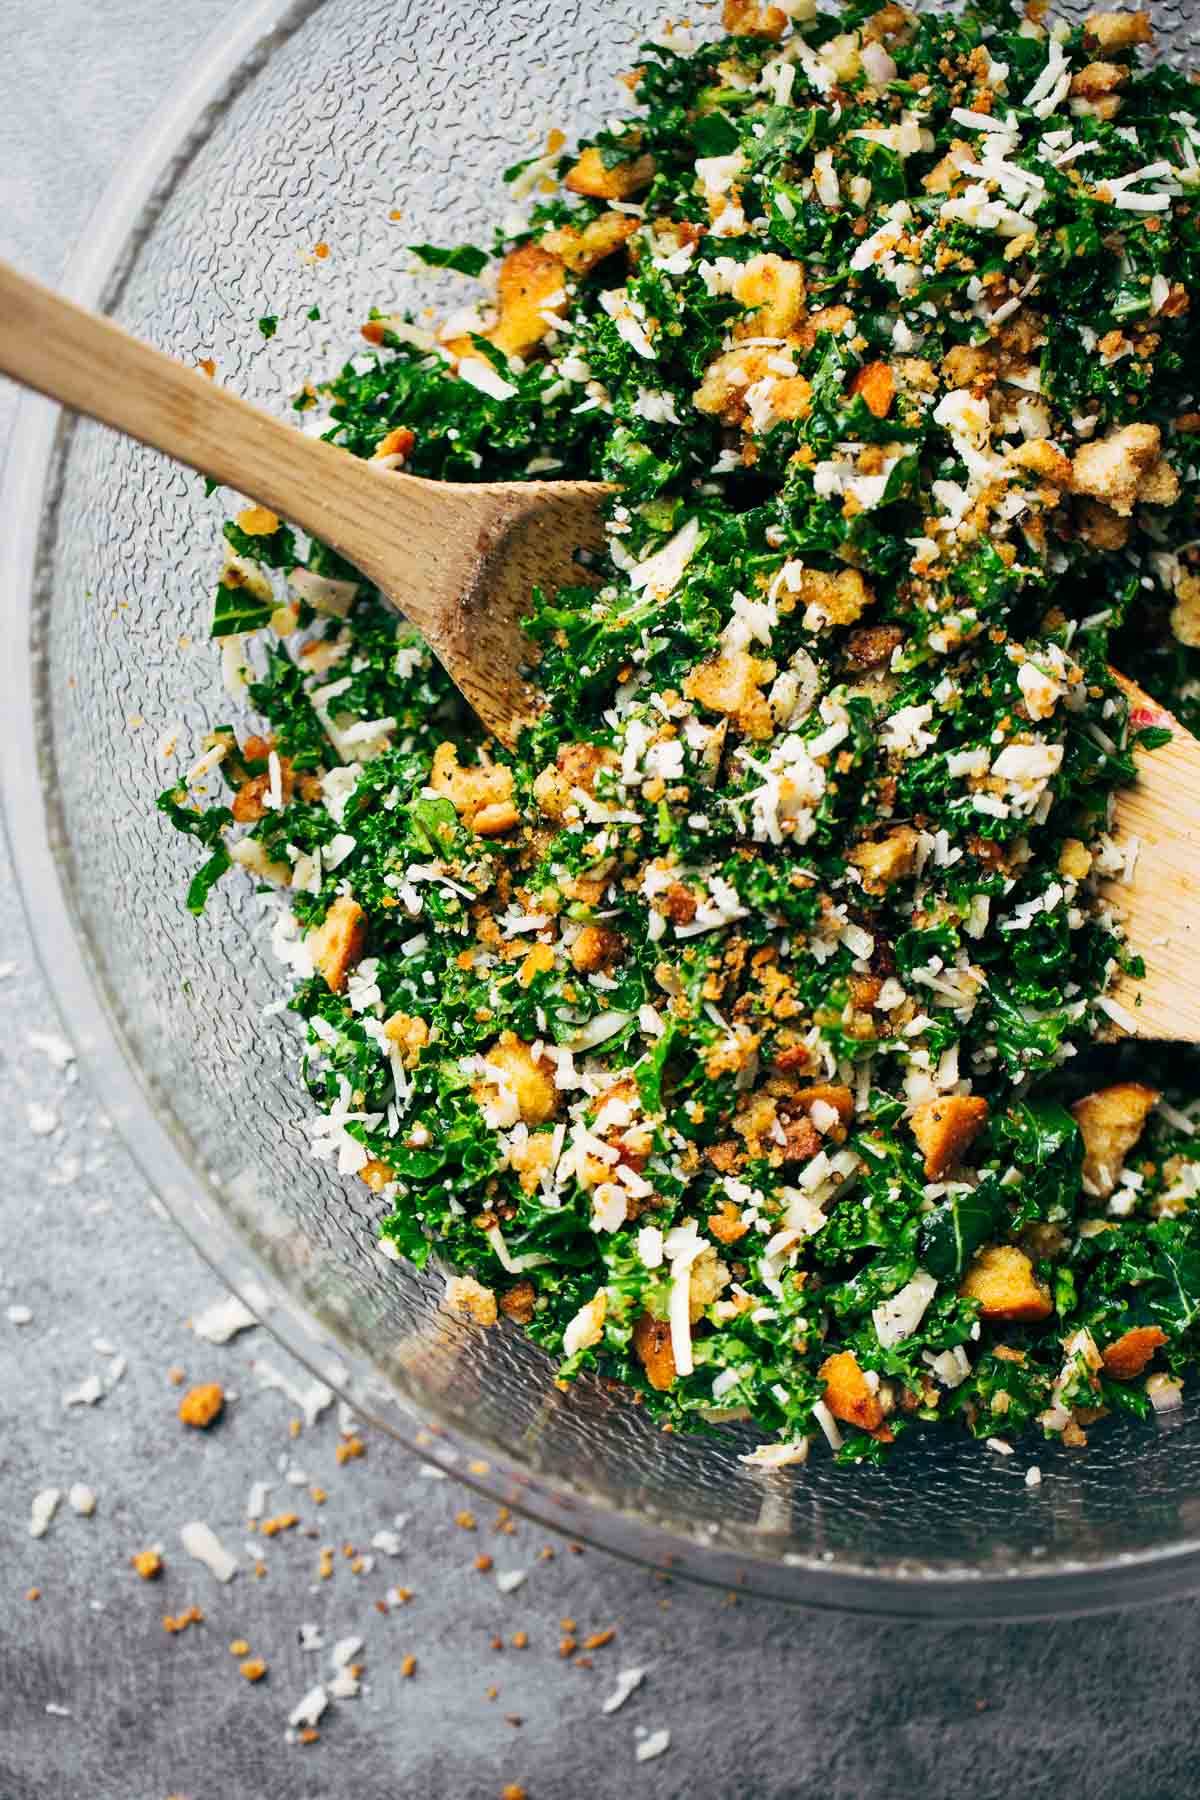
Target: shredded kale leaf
464, 258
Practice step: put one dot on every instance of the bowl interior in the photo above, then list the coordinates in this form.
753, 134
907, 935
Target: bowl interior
360, 110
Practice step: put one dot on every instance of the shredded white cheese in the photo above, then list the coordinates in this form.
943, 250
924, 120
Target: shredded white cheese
200, 1541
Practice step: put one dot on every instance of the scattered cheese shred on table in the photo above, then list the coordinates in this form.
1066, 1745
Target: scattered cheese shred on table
201, 1541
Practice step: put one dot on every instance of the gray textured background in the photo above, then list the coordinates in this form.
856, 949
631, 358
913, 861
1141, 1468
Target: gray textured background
760, 1701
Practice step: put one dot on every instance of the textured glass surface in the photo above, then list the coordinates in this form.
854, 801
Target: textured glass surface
356, 109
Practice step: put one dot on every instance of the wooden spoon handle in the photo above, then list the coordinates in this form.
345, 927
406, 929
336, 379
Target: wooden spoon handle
92, 366
459, 559
1159, 819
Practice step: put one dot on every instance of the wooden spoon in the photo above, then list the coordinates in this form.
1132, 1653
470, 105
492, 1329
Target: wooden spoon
460, 561
1160, 899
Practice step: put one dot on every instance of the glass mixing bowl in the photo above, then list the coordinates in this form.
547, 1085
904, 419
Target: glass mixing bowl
310, 123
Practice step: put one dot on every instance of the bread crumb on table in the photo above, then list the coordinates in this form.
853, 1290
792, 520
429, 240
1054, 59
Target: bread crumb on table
201, 1406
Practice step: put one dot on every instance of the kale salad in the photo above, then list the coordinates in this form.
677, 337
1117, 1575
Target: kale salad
732, 1036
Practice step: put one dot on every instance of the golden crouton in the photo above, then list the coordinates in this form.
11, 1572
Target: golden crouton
942, 177
946, 1128
1185, 614
397, 442
1106, 108
847, 1394
376, 1174
827, 1093
726, 1226
528, 277
726, 379
250, 853
831, 319
872, 645
839, 56
790, 397
338, 942
1098, 79
891, 22
1160, 487
1075, 859
877, 385
582, 250
532, 1159
1114, 468
552, 792
841, 598
747, 18
409, 1033
1043, 460
729, 378
1110, 1122
597, 947
588, 889
250, 801
575, 766
1117, 30
1001, 1278
581, 763
890, 858
481, 796
531, 1082
1099, 526
731, 684
801, 1141
258, 521
589, 176
1131, 1352
519, 1303
652, 1346
538, 960
469, 1299
201, 1405
774, 288
915, 375
965, 364
865, 991
1042, 1239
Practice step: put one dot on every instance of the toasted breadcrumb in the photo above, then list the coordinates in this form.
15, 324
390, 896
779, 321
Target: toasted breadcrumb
201, 1406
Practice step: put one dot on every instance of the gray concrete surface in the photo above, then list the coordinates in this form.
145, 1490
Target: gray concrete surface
760, 1702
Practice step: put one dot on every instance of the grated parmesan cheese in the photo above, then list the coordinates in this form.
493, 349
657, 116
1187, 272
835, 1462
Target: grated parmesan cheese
201, 1542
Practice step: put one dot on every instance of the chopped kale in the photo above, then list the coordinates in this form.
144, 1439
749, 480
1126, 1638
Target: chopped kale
464, 258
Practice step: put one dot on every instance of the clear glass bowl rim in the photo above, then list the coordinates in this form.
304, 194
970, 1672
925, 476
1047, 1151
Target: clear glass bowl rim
232, 57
